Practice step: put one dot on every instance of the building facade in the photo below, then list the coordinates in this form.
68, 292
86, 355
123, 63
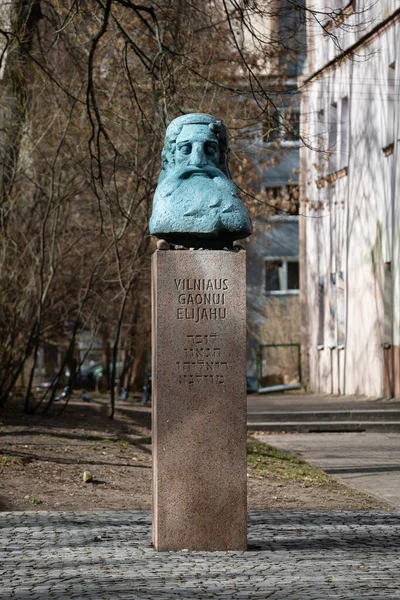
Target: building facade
350, 169
273, 307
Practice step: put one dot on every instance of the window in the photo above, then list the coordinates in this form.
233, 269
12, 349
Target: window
271, 126
391, 105
344, 133
388, 305
292, 126
293, 279
337, 11
321, 142
332, 310
321, 311
282, 276
341, 311
334, 9
237, 27
332, 137
338, 5
338, 135
273, 275
321, 129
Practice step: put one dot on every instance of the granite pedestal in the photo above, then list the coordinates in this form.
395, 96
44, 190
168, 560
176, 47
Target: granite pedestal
199, 400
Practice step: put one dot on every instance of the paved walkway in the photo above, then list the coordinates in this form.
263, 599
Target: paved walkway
366, 461
107, 556
296, 401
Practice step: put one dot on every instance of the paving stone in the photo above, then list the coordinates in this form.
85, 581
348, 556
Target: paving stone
295, 555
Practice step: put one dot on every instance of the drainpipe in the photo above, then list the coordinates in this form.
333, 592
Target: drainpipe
346, 215
395, 263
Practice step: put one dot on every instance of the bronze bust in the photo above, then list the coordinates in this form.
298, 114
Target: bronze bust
196, 203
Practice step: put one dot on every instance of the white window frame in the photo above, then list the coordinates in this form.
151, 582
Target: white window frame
283, 275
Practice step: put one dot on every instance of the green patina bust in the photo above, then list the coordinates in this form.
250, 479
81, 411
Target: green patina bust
196, 203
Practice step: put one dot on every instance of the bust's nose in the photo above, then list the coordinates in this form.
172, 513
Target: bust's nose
197, 157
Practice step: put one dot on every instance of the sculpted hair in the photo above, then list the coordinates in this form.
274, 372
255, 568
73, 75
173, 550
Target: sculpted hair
176, 126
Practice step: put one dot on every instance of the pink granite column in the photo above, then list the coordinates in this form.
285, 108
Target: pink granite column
199, 400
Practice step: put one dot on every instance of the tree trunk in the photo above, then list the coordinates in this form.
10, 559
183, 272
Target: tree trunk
23, 18
138, 373
104, 383
72, 365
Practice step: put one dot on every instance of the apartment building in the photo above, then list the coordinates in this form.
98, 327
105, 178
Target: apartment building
350, 176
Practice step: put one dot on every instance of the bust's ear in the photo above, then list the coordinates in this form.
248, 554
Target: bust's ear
215, 127
164, 160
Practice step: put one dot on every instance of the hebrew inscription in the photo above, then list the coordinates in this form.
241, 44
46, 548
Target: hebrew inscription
201, 301
202, 361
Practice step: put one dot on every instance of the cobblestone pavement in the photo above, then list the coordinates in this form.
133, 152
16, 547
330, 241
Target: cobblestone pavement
292, 555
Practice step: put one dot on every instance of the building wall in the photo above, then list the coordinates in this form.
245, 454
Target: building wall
272, 317
350, 174
355, 20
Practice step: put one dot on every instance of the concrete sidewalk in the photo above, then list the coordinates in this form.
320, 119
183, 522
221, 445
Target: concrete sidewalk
369, 461
106, 555
297, 401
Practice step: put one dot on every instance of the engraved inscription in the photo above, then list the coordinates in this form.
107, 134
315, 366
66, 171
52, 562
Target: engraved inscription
201, 314
192, 379
202, 352
201, 284
201, 299
202, 361
200, 339
201, 365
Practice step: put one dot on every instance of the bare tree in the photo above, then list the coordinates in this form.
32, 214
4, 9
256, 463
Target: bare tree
86, 91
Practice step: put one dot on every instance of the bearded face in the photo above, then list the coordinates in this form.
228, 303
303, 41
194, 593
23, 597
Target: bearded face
194, 197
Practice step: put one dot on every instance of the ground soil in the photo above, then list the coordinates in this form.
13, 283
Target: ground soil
43, 459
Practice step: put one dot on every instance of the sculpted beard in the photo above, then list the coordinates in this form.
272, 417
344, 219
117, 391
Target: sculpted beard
196, 204
205, 198
187, 176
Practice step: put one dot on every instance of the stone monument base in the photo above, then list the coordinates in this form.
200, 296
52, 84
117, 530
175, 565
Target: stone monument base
199, 400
